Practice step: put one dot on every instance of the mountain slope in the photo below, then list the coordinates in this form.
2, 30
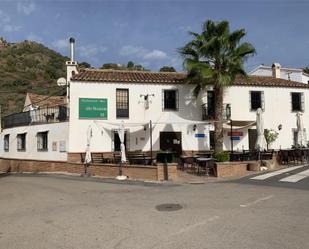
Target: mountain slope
28, 67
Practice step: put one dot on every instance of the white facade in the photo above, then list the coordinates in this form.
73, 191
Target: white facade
277, 111
277, 102
57, 142
293, 74
102, 140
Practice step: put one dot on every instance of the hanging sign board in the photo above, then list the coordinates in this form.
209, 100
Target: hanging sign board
90, 108
200, 135
236, 133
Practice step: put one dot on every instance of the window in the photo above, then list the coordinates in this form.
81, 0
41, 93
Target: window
211, 140
257, 100
297, 102
21, 142
170, 100
6, 142
122, 103
211, 104
42, 141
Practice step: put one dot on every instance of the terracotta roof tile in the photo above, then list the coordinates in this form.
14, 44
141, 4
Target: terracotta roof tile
107, 75
129, 76
268, 82
45, 100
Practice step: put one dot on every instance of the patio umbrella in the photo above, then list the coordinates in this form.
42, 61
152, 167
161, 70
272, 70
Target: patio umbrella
260, 141
300, 129
88, 154
121, 132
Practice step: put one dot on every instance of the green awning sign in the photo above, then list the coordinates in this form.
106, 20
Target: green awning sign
92, 108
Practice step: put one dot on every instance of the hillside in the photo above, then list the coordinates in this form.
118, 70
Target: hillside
27, 66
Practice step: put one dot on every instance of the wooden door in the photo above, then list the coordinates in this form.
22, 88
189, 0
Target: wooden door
171, 141
252, 138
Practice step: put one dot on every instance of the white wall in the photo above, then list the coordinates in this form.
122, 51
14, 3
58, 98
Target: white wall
295, 75
189, 108
56, 132
278, 110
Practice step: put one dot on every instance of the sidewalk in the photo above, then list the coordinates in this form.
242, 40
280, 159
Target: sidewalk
190, 178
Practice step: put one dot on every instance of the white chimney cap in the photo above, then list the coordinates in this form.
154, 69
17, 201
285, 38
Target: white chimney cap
276, 64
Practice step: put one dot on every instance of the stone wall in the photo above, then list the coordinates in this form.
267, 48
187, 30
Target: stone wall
136, 172
231, 169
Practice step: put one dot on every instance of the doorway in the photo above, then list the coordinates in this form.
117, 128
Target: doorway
116, 141
252, 138
171, 141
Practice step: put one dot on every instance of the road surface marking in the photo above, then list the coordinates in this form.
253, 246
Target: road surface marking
278, 172
257, 201
297, 177
191, 227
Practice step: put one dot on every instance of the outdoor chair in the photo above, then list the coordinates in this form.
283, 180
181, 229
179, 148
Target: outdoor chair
97, 158
207, 167
284, 156
189, 163
82, 157
298, 156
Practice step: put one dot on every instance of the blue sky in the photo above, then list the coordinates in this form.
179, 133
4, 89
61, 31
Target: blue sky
149, 32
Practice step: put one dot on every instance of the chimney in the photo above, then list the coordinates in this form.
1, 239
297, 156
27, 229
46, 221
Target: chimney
72, 43
71, 65
276, 70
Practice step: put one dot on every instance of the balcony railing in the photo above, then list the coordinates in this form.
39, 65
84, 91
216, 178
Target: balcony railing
208, 113
42, 115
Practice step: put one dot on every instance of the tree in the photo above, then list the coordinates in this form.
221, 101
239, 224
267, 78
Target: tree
130, 64
84, 65
306, 70
167, 69
270, 136
215, 57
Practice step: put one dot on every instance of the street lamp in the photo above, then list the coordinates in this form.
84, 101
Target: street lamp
228, 117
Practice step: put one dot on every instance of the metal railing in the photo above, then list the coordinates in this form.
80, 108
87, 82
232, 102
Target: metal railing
41, 115
208, 112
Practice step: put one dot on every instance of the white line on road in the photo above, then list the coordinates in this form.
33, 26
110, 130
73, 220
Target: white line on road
257, 201
278, 172
297, 177
191, 227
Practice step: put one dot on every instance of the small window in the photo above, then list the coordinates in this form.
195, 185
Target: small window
6, 142
170, 100
42, 138
211, 140
297, 102
21, 142
122, 103
257, 100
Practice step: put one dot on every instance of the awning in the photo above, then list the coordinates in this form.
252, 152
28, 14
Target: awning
239, 124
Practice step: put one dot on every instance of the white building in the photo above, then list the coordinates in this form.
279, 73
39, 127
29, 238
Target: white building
293, 74
158, 111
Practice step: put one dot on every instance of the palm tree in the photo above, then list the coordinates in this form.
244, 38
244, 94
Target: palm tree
215, 57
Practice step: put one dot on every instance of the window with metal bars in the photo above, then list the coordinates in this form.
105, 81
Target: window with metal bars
6, 142
257, 100
297, 102
21, 142
122, 103
170, 100
42, 139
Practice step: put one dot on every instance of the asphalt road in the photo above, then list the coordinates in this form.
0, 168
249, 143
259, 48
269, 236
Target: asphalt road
67, 212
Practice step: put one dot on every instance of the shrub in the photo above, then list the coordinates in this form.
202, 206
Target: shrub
222, 156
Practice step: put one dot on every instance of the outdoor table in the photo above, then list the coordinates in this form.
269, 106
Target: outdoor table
203, 161
236, 156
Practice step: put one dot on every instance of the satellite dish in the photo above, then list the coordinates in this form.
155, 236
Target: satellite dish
61, 82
